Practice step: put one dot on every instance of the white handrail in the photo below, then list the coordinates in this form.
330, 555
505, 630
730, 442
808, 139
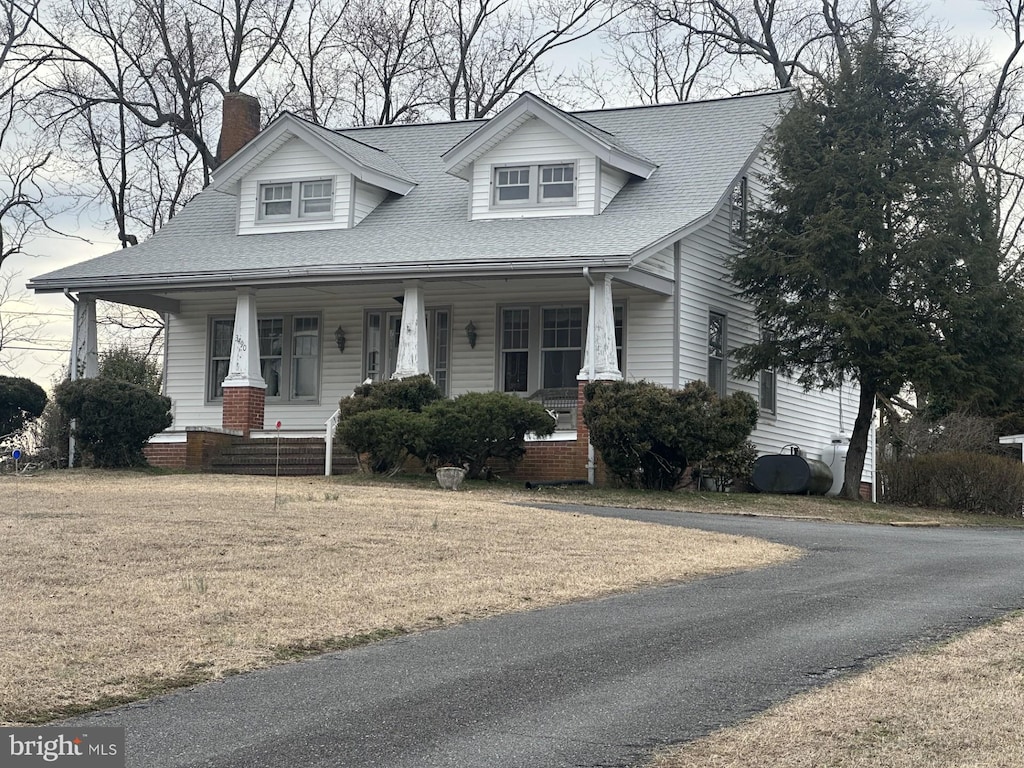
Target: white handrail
329, 427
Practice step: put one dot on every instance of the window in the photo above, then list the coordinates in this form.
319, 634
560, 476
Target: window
535, 184
383, 331
738, 210
293, 200
561, 346
716, 352
767, 383
556, 182
289, 356
515, 349
221, 332
543, 347
512, 184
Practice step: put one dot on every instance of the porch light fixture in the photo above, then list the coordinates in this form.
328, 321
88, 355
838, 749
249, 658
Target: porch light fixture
339, 338
471, 334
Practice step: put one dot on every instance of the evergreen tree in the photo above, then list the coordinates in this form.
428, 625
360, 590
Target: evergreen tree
874, 259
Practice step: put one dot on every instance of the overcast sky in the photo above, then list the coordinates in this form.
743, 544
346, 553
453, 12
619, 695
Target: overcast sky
966, 17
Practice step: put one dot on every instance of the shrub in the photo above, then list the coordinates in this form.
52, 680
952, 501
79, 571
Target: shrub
377, 422
647, 434
969, 482
411, 394
383, 438
479, 426
21, 401
113, 419
126, 364
726, 467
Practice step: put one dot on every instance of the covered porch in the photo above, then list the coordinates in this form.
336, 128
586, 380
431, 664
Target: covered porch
268, 362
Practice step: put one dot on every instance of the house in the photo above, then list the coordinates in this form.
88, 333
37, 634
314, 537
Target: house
530, 253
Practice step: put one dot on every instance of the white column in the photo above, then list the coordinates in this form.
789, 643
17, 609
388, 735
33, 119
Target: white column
599, 360
412, 339
85, 358
244, 368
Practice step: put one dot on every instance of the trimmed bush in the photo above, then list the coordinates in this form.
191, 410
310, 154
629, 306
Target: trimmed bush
377, 422
647, 435
384, 438
969, 482
21, 401
113, 419
479, 426
412, 394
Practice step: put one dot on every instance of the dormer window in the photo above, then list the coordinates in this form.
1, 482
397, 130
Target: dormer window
290, 200
535, 184
557, 182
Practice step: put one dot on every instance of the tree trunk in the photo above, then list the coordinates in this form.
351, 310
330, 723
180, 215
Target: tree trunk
859, 443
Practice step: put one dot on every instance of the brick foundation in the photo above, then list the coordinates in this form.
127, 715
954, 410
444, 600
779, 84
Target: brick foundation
562, 459
165, 455
243, 409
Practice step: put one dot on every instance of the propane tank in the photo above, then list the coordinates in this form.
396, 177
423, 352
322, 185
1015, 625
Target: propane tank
835, 457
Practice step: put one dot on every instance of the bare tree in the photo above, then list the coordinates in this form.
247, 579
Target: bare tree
24, 153
165, 62
485, 50
20, 328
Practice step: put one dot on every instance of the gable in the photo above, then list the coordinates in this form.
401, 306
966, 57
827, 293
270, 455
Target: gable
293, 161
531, 145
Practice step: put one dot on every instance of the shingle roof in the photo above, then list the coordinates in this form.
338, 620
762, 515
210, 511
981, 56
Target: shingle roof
700, 149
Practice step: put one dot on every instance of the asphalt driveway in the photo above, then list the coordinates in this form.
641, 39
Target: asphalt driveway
603, 682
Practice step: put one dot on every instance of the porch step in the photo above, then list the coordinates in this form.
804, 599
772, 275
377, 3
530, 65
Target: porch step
294, 457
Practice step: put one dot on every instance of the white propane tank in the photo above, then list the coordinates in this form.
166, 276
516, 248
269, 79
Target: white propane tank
835, 458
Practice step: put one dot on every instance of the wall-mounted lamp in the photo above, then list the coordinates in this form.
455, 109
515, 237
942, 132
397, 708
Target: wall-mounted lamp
339, 338
471, 334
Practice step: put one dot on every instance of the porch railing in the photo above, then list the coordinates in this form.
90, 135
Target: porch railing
329, 427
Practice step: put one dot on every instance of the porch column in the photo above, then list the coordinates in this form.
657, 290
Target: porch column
85, 357
599, 360
244, 387
412, 339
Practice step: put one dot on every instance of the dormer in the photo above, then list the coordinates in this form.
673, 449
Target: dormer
296, 176
534, 160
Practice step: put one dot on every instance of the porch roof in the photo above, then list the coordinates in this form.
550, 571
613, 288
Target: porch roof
701, 148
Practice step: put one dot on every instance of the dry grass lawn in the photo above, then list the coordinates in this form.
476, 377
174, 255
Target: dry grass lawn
955, 706
120, 585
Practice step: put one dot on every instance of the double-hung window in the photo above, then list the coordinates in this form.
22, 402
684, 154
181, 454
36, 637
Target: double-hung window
542, 347
383, 330
525, 185
738, 210
767, 383
289, 348
561, 346
717, 341
296, 200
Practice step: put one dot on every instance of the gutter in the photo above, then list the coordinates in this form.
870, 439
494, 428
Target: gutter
361, 273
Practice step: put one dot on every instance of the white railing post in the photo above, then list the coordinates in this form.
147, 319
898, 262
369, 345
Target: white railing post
330, 425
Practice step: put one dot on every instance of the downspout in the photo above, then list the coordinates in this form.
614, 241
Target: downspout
677, 306
591, 464
73, 370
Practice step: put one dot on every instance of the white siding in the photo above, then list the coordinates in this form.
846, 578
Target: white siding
661, 263
471, 369
804, 418
807, 419
534, 142
612, 180
294, 161
367, 198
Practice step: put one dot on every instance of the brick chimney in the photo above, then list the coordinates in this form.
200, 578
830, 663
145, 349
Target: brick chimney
240, 123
